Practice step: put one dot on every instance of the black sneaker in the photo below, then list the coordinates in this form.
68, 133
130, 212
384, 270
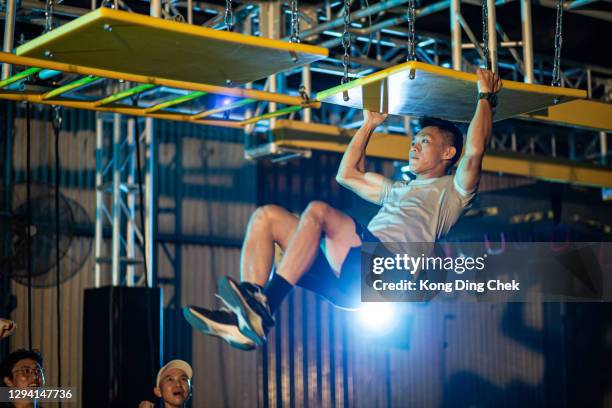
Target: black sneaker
219, 323
250, 305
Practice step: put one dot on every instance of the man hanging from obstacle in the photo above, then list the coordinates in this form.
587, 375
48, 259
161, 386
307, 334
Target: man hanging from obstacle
322, 247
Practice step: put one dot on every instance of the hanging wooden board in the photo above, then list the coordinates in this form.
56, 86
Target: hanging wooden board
137, 44
440, 92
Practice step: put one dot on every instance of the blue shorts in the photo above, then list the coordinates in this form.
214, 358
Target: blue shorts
343, 291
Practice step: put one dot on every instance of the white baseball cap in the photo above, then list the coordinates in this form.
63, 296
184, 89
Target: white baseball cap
180, 364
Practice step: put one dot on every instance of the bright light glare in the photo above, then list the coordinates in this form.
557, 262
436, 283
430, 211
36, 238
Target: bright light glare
377, 315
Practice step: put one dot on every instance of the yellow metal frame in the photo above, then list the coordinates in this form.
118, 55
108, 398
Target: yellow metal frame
124, 76
583, 113
294, 134
123, 109
250, 94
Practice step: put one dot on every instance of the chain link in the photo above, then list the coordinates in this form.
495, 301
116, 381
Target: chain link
556, 76
485, 33
411, 17
295, 22
49, 10
229, 16
57, 117
346, 40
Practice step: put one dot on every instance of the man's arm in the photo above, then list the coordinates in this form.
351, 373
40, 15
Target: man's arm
351, 173
479, 133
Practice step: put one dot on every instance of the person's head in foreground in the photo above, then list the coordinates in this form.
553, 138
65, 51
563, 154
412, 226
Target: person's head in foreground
23, 368
173, 385
435, 148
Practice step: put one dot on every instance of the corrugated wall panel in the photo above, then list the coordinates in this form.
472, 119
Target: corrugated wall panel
77, 158
206, 194
224, 376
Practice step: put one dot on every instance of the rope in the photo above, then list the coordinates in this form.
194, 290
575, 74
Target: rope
29, 220
144, 242
57, 124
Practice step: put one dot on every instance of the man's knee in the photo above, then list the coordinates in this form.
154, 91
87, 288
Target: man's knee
266, 214
316, 211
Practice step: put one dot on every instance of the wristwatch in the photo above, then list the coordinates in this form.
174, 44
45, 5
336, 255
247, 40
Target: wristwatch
489, 96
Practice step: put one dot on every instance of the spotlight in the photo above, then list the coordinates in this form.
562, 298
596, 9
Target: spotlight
377, 315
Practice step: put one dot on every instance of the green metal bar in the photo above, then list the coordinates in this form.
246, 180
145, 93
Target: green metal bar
71, 86
124, 94
175, 101
224, 108
17, 77
274, 114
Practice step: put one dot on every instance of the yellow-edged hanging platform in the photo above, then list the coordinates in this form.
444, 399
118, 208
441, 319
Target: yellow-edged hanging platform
138, 44
440, 92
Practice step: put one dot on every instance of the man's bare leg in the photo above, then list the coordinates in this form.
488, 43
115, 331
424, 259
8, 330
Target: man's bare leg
268, 225
318, 218
254, 305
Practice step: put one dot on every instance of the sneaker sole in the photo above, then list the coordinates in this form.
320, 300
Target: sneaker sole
230, 295
202, 324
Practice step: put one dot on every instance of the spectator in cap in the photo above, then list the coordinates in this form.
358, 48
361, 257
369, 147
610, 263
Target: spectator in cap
172, 386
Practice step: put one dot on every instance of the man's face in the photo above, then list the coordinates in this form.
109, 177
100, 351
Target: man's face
174, 387
26, 373
429, 151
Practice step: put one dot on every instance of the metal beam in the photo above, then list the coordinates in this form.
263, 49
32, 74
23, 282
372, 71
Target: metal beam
115, 109
175, 101
9, 34
70, 87
455, 26
356, 15
526, 22
582, 113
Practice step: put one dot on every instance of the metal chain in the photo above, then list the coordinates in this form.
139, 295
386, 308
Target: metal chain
295, 22
411, 17
49, 9
556, 77
108, 3
229, 16
57, 117
346, 40
485, 33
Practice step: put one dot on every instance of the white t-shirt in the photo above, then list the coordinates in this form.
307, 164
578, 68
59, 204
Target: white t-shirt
419, 210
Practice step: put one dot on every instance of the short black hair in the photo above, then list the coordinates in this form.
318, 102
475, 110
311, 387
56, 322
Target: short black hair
6, 367
450, 128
